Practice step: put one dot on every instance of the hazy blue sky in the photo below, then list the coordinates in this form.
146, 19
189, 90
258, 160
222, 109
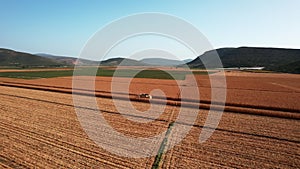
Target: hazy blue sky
62, 27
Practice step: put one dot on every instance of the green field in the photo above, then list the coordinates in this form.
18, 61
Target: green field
156, 74
37, 74
148, 73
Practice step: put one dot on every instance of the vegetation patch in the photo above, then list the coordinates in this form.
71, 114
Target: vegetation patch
37, 74
162, 147
148, 73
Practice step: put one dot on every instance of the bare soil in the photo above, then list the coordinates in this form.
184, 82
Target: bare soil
40, 129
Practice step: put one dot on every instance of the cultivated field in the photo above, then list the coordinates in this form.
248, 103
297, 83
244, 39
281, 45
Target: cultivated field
260, 127
254, 89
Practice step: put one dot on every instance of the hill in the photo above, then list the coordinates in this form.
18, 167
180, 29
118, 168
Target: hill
20, 59
122, 62
12, 58
69, 60
108, 62
273, 59
187, 60
162, 62
62, 59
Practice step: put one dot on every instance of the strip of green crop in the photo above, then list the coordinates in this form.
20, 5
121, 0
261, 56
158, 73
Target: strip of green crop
153, 74
162, 147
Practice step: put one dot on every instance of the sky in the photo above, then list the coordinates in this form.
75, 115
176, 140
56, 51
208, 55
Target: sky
63, 27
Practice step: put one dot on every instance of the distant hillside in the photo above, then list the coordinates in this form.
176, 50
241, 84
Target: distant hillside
20, 59
187, 60
162, 62
69, 60
122, 62
273, 59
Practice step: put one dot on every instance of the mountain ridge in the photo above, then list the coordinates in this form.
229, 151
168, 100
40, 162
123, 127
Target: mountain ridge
162, 62
272, 59
69, 60
10, 57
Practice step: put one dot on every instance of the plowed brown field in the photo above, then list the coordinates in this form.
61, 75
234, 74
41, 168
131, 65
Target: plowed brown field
260, 127
260, 89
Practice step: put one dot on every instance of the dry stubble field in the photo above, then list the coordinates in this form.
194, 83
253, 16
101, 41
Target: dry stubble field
41, 129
